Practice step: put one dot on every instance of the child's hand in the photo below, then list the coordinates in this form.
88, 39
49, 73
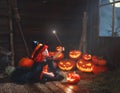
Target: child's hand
61, 49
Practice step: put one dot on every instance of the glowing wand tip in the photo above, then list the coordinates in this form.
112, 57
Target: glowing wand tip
54, 32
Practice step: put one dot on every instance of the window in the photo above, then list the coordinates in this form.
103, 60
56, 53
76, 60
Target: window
109, 18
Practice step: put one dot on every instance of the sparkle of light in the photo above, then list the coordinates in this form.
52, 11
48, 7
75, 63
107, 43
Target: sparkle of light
54, 32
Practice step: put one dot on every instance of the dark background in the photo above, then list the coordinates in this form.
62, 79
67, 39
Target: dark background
36, 19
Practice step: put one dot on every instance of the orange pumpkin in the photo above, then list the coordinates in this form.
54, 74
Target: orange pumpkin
99, 69
66, 64
84, 66
86, 56
73, 78
99, 61
95, 59
102, 62
25, 62
58, 48
59, 57
75, 54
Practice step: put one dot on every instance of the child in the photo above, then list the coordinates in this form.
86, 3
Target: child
41, 58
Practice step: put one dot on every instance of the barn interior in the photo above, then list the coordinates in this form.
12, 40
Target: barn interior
77, 25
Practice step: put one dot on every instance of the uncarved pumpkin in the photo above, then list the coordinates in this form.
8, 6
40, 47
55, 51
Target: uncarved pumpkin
75, 54
99, 69
66, 64
99, 61
84, 66
25, 62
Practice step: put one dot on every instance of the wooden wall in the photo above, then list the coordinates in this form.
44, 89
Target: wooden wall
36, 22
106, 47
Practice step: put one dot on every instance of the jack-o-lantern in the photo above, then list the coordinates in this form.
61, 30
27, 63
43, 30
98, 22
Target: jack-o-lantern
73, 78
86, 56
58, 48
84, 66
75, 54
66, 64
59, 57
25, 62
99, 61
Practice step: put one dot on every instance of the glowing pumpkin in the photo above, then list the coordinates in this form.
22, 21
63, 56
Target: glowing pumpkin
86, 56
25, 62
99, 61
59, 57
66, 64
74, 54
58, 48
84, 66
73, 78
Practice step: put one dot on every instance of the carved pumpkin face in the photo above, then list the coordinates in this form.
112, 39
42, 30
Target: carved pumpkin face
25, 62
66, 64
84, 66
59, 57
73, 78
86, 56
74, 54
58, 48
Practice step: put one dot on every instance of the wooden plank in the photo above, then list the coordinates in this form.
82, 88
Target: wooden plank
4, 12
3, 4
33, 89
63, 87
54, 88
43, 88
4, 20
78, 88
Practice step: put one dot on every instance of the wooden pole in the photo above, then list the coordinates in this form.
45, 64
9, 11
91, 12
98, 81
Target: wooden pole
11, 34
83, 42
17, 19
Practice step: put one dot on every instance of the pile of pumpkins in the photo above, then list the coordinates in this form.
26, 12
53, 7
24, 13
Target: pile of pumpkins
82, 61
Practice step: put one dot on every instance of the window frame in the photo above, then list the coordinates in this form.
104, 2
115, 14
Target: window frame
113, 17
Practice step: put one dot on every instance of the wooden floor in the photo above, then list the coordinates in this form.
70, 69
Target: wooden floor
57, 87
63, 86
48, 87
